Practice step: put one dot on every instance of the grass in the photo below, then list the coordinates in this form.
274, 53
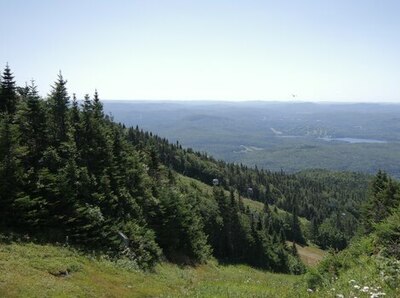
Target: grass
363, 278
309, 255
31, 270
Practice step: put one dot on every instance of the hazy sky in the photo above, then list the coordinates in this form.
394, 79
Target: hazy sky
330, 50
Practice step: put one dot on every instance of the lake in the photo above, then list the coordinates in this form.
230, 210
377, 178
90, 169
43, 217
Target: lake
354, 140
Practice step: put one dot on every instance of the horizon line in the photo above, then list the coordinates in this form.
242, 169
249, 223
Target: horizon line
247, 101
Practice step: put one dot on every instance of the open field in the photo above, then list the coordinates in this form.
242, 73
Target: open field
310, 255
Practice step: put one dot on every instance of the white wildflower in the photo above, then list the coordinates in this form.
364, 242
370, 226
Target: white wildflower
376, 295
356, 287
339, 295
365, 289
310, 290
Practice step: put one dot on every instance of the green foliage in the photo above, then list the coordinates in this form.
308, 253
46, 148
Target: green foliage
389, 271
8, 95
295, 265
388, 235
182, 234
142, 248
9, 169
313, 279
383, 197
329, 236
371, 264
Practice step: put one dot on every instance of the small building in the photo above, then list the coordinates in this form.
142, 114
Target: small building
215, 182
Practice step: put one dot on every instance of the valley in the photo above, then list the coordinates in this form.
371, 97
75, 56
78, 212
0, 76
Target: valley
288, 136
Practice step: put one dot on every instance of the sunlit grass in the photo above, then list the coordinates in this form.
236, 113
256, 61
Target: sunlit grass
29, 270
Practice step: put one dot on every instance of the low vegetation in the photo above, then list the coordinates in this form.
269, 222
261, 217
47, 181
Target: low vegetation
30, 270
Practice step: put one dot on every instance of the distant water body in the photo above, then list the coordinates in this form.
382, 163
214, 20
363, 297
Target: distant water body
354, 140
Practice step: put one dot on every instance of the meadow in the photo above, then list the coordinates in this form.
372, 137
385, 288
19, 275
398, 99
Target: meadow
31, 270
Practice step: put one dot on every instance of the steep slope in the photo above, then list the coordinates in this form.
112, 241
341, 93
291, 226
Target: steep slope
29, 270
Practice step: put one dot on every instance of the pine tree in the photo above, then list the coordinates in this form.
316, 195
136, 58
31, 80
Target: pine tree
181, 236
59, 104
8, 95
75, 115
32, 126
9, 175
296, 233
97, 106
30, 119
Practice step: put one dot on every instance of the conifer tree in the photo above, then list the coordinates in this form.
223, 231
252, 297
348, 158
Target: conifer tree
32, 126
383, 197
181, 236
29, 205
59, 104
75, 116
8, 96
8, 170
97, 106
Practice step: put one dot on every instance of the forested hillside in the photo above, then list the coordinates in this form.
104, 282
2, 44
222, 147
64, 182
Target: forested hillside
71, 175
370, 267
293, 136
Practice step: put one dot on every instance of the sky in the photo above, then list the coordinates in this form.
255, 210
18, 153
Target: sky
304, 50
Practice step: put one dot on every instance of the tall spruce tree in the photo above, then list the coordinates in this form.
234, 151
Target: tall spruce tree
58, 105
29, 206
9, 175
31, 120
8, 95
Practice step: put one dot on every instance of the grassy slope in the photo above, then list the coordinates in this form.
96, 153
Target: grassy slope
27, 270
356, 272
310, 255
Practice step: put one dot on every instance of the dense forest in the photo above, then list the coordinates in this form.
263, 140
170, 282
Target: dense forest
71, 175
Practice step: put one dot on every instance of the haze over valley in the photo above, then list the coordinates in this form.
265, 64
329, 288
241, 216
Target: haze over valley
294, 136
